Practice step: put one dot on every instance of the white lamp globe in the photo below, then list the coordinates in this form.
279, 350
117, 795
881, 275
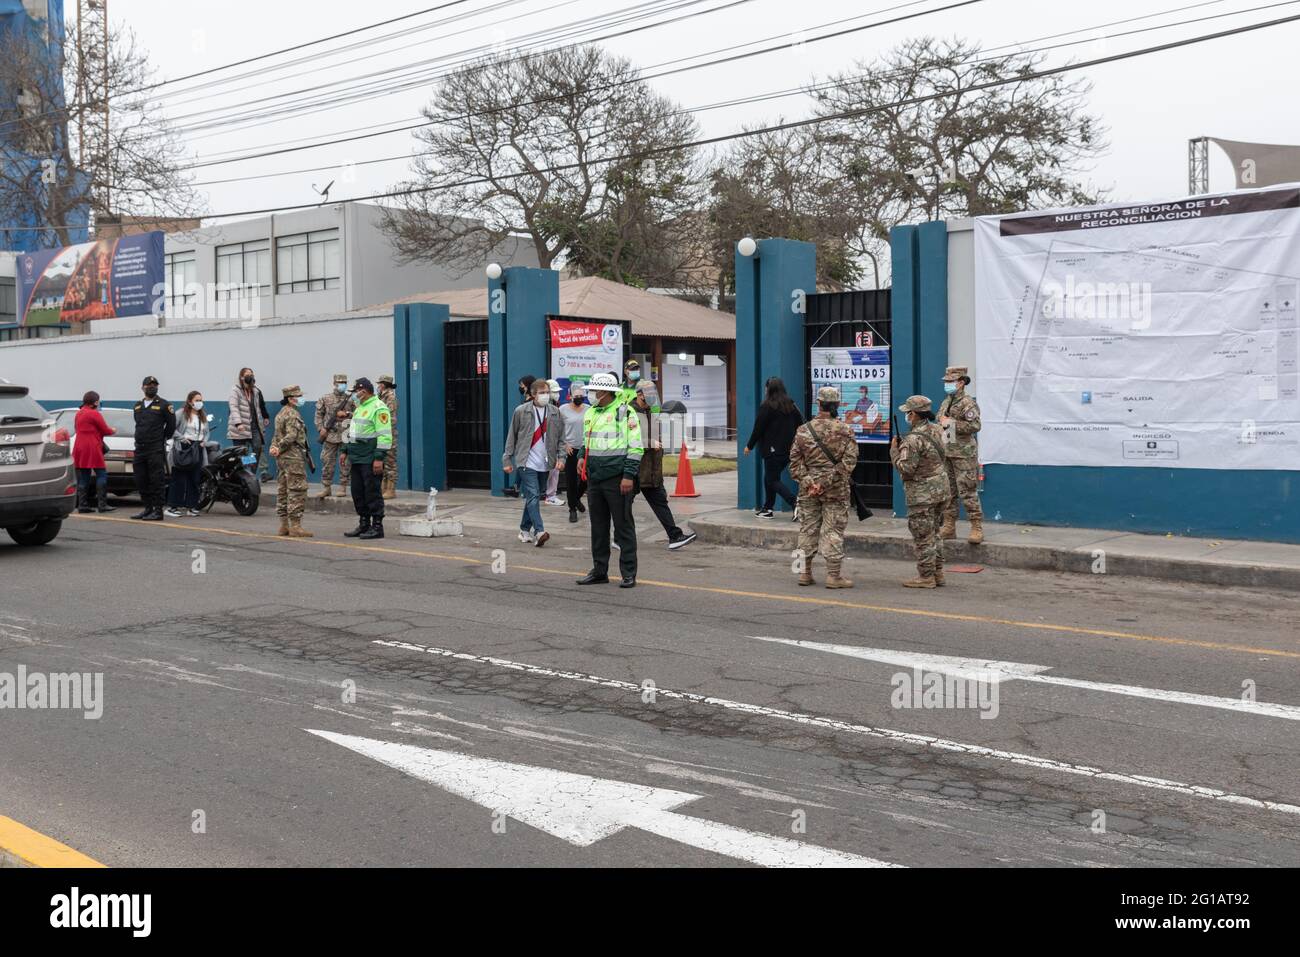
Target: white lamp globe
493, 270
747, 246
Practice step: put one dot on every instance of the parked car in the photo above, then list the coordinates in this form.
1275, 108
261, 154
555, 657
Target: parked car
38, 486
119, 460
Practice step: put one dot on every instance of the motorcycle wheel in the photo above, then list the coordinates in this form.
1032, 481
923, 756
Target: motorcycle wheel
207, 492
247, 498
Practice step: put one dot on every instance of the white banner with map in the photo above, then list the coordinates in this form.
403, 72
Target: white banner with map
1159, 335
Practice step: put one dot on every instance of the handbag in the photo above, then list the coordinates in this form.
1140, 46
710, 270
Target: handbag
859, 505
187, 455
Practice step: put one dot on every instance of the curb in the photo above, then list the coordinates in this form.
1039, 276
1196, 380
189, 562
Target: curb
1020, 557
342, 504
20, 846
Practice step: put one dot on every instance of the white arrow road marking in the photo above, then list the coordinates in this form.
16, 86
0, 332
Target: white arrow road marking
1012, 671
833, 724
583, 810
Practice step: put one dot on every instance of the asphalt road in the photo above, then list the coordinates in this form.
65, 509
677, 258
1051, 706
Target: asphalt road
623, 726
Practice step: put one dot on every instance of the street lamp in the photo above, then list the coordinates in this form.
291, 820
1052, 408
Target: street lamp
493, 270
747, 247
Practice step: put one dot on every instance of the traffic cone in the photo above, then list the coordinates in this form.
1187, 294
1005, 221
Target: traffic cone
685, 487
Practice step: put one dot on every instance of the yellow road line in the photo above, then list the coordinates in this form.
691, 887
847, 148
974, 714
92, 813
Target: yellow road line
30, 848
737, 593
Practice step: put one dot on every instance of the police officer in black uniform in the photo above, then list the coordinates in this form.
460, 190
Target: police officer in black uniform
155, 421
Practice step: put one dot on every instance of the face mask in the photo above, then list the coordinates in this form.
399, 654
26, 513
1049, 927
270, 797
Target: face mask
198, 405
542, 398
341, 388
633, 376
950, 387
151, 391
249, 380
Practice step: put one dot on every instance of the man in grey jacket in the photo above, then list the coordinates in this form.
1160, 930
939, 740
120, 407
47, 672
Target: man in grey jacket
532, 447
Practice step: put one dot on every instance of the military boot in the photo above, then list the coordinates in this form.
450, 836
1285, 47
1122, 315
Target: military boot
805, 578
326, 491
834, 579
921, 581
976, 530
363, 524
938, 578
949, 528
390, 487
376, 530
284, 526
297, 531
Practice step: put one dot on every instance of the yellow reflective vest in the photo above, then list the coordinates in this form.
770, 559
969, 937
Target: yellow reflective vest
370, 435
612, 436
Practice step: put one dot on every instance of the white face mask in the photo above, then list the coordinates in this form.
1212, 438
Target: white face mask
542, 398
198, 405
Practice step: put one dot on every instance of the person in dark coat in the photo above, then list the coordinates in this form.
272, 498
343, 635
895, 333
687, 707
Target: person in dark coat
155, 421
774, 428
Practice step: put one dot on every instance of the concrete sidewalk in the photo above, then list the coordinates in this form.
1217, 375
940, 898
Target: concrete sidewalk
714, 517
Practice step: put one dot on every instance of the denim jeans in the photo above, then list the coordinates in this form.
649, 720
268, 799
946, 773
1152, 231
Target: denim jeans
531, 483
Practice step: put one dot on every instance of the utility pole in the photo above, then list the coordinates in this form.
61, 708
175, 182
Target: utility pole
92, 78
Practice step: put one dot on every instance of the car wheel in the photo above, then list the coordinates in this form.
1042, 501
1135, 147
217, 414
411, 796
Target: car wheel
37, 533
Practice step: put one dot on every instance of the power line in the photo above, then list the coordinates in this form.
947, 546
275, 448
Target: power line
774, 128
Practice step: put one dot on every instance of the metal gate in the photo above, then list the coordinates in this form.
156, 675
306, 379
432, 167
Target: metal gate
845, 319
466, 426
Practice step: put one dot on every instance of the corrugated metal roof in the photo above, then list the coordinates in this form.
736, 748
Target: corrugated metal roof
594, 298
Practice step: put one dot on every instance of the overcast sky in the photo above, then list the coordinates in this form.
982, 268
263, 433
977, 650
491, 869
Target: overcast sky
1236, 88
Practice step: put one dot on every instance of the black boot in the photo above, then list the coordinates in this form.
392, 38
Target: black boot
376, 530
363, 525
573, 515
103, 504
83, 500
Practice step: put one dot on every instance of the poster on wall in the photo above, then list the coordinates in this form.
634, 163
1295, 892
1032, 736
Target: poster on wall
703, 390
106, 279
581, 349
862, 378
1161, 335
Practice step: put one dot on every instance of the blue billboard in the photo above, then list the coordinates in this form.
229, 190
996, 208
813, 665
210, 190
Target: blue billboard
107, 279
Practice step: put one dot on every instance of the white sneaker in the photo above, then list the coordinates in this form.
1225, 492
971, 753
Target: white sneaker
173, 513
194, 513
555, 500
526, 537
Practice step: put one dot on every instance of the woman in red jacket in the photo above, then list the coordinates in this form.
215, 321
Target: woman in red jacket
88, 454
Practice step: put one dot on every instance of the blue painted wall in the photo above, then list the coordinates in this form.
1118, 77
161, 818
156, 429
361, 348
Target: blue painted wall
1203, 503
420, 351
769, 341
518, 304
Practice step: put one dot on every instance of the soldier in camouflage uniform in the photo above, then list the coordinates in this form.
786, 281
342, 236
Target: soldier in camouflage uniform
388, 395
332, 430
289, 449
824, 486
959, 416
920, 459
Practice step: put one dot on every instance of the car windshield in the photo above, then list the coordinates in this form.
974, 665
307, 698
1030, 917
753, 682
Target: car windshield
16, 408
121, 419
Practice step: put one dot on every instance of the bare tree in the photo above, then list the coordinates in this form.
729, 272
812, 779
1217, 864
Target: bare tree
925, 141
568, 148
778, 184
58, 165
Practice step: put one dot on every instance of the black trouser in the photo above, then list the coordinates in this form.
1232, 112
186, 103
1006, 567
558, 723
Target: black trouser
151, 476
574, 487
657, 498
605, 503
367, 491
185, 486
773, 466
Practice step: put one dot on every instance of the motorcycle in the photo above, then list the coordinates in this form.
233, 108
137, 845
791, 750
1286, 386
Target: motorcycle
229, 477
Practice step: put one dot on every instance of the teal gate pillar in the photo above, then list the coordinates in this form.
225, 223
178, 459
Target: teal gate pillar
420, 355
772, 287
919, 314
519, 301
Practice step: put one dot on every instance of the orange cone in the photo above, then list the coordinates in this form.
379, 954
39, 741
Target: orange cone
685, 487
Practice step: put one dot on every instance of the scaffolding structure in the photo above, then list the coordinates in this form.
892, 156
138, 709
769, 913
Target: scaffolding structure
91, 95
1198, 165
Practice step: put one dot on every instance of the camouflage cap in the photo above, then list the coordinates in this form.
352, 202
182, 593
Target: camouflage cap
828, 393
916, 403
386, 379
953, 373
291, 390
340, 377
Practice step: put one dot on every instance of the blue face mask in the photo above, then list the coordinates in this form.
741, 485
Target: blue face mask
633, 376
341, 387
950, 387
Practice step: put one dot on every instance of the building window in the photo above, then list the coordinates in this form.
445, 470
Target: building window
181, 272
8, 302
307, 262
244, 269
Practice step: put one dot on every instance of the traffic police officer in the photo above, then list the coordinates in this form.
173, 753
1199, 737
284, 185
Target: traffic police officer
959, 416
155, 421
369, 438
612, 436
